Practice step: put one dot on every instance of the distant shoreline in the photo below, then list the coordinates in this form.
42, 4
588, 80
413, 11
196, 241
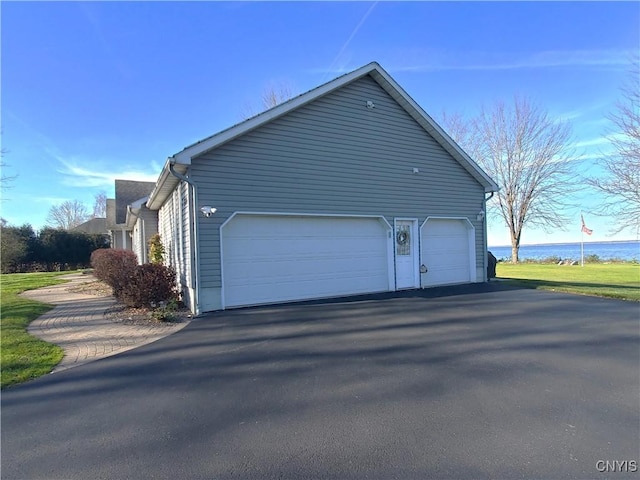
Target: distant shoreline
566, 243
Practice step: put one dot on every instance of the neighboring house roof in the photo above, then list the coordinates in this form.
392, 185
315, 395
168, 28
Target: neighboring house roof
95, 225
180, 161
111, 213
127, 192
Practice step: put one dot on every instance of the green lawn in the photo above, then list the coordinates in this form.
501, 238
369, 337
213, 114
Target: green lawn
619, 280
24, 357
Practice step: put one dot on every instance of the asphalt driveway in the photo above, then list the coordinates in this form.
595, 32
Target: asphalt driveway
483, 381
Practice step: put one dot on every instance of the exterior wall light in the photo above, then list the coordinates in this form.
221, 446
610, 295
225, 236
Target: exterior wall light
208, 211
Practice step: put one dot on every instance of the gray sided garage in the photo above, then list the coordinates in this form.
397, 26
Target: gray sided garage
347, 189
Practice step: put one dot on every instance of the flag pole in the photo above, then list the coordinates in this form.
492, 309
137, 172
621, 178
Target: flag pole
581, 240
581, 248
583, 230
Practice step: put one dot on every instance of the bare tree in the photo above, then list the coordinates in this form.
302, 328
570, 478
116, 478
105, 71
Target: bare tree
276, 94
5, 180
528, 155
461, 131
100, 205
621, 181
67, 215
272, 95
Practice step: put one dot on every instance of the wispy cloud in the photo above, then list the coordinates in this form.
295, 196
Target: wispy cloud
440, 61
589, 156
585, 113
594, 142
77, 173
434, 60
49, 200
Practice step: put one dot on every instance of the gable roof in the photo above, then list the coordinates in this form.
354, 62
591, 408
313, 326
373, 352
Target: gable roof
127, 192
111, 213
94, 225
167, 182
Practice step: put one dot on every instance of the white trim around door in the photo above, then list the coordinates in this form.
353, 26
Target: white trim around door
406, 253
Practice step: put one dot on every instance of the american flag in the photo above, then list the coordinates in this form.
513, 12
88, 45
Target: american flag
586, 230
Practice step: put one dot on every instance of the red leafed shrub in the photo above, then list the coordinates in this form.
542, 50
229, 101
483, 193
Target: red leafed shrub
115, 267
150, 285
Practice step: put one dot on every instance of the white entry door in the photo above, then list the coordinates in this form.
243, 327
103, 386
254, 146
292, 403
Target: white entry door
406, 242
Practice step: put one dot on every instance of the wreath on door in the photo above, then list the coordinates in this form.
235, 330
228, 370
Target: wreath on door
402, 237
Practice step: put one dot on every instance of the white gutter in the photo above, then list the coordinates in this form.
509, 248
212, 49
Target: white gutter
136, 215
193, 237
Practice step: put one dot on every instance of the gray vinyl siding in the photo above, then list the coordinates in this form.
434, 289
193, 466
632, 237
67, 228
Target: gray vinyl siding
145, 227
167, 230
185, 202
116, 239
174, 234
333, 156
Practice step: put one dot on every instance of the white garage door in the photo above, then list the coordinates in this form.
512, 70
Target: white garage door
273, 258
447, 251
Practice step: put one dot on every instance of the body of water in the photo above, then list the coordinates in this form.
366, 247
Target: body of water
571, 251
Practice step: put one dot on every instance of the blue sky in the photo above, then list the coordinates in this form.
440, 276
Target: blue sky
101, 90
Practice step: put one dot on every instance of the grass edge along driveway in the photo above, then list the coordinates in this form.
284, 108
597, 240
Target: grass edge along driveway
615, 280
23, 356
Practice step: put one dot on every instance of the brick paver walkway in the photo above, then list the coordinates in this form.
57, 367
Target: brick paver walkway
79, 326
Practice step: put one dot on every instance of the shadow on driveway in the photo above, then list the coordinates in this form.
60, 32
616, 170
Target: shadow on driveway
480, 381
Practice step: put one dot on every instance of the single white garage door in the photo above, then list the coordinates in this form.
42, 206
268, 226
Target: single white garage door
274, 258
447, 251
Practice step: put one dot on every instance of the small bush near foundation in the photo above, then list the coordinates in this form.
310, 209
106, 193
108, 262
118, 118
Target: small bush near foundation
156, 249
150, 285
115, 267
165, 311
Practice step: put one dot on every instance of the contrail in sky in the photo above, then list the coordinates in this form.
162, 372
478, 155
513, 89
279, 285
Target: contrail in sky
346, 44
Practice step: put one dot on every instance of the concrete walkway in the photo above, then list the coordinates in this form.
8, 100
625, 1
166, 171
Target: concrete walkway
78, 324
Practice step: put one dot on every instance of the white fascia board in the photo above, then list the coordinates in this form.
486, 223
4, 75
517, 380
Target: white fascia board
184, 157
430, 125
164, 185
133, 210
139, 203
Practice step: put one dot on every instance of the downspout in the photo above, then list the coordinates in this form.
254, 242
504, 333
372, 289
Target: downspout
193, 238
144, 241
137, 217
486, 240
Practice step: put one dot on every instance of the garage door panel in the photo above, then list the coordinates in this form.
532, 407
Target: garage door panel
446, 252
281, 258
